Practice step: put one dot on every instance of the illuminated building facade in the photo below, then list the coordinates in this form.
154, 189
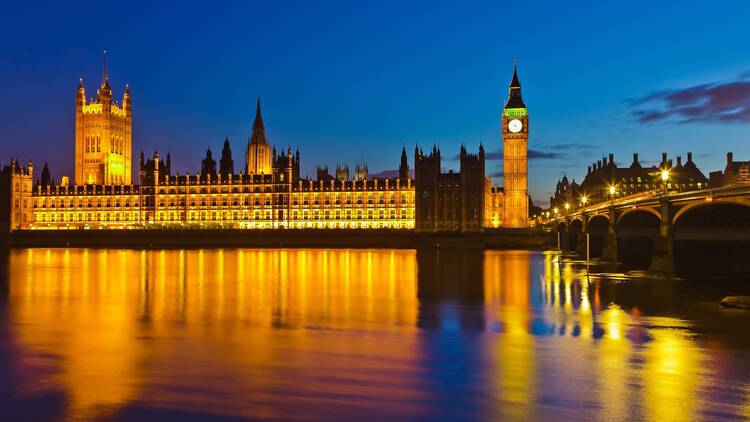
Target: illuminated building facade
279, 198
270, 192
103, 137
219, 200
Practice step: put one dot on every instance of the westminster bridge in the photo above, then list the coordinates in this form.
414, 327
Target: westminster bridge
698, 232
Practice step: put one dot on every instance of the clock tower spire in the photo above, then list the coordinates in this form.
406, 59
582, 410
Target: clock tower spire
515, 128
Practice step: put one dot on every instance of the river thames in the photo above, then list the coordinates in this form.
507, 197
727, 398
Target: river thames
293, 334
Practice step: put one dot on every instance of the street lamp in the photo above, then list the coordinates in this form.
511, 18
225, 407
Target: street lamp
612, 192
567, 206
583, 200
664, 179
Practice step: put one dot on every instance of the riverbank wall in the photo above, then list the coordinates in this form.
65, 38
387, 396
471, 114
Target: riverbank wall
170, 239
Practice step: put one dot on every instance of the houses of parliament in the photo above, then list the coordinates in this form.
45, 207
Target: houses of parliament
267, 192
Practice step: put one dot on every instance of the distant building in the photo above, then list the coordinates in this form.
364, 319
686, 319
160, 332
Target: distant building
360, 172
16, 196
342, 173
628, 180
735, 173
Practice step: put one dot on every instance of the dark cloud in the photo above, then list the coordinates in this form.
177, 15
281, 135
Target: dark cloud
533, 154
388, 173
572, 145
497, 175
717, 102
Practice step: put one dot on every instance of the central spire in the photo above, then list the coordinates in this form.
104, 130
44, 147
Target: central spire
514, 91
259, 131
515, 83
105, 74
105, 91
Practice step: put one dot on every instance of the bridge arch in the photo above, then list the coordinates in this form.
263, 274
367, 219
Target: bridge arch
598, 229
713, 238
636, 229
605, 215
631, 210
682, 211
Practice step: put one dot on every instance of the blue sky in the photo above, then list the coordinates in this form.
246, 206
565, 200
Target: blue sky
347, 81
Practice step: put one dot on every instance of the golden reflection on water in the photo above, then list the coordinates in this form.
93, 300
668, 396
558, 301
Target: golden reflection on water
514, 370
275, 333
89, 307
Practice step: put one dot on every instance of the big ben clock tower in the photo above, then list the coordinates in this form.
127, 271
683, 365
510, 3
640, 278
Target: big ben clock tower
515, 123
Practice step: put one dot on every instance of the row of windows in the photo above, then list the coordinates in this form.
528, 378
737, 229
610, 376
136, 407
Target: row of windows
295, 215
85, 216
72, 217
227, 201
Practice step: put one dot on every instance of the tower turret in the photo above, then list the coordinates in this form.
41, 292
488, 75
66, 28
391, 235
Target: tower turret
103, 136
226, 164
258, 155
403, 168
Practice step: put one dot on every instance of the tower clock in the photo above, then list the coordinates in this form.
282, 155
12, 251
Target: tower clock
515, 127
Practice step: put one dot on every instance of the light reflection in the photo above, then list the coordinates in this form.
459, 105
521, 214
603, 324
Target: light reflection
95, 332
372, 325
672, 375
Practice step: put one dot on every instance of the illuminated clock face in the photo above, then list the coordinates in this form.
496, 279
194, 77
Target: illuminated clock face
515, 125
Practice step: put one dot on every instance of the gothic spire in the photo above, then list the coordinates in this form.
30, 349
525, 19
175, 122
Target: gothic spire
514, 91
105, 74
259, 131
105, 91
515, 83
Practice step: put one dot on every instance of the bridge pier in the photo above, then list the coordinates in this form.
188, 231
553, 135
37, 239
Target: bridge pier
581, 240
610, 253
663, 258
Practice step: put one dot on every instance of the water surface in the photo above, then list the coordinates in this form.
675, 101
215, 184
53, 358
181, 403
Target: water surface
359, 334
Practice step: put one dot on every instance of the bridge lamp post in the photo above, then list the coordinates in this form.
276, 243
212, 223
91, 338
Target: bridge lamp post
612, 192
584, 200
664, 180
567, 207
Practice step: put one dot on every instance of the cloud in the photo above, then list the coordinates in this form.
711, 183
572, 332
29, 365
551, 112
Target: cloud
388, 174
572, 146
497, 175
716, 102
533, 154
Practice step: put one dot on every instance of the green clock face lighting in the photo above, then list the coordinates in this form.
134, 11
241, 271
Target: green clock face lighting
514, 112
